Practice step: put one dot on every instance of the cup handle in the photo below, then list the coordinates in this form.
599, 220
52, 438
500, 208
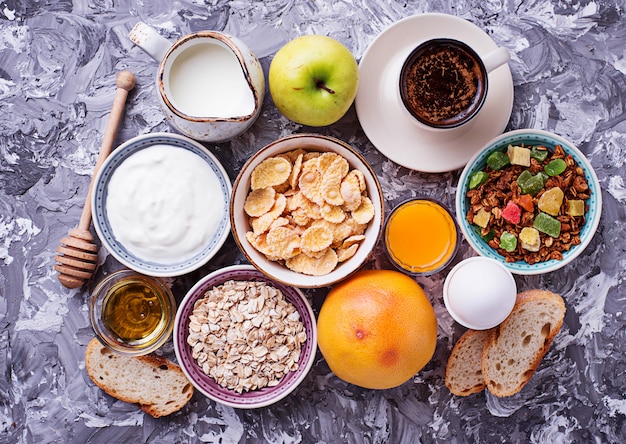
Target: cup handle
150, 41
496, 58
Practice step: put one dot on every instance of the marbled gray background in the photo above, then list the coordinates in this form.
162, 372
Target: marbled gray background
58, 62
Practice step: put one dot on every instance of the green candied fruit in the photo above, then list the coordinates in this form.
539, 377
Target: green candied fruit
530, 184
508, 241
497, 160
539, 153
486, 237
477, 179
547, 224
489, 236
544, 177
555, 167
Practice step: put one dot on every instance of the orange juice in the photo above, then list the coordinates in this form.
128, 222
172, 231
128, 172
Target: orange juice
420, 236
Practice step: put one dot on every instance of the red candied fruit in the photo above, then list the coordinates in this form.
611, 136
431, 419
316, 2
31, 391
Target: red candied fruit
512, 213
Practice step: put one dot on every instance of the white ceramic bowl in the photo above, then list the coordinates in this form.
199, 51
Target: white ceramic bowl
207, 385
240, 220
126, 252
529, 137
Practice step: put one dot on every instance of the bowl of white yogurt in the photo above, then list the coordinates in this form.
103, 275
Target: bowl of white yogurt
160, 204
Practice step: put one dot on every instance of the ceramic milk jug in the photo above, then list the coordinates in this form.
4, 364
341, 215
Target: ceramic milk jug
210, 85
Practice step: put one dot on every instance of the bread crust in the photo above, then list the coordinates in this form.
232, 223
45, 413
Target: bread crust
501, 356
117, 375
464, 370
494, 350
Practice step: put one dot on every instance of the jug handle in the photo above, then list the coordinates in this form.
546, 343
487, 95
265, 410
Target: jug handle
148, 39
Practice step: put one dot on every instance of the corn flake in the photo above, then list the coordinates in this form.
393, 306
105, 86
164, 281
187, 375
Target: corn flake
271, 172
310, 183
262, 224
333, 213
333, 165
315, 239
345, 253
259, 201
295, 171
285, 242
320, 266
365, 212
261, 245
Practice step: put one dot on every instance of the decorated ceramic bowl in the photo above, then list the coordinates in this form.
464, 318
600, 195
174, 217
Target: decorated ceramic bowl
160, 204
298, 252
548, 229
210, 377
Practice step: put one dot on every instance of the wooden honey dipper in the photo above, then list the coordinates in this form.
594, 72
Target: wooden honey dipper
78, 256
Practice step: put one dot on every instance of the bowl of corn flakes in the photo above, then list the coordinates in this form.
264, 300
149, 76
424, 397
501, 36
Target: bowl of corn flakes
529, 199
307, 210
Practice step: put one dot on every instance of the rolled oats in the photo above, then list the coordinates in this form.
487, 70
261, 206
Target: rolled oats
246, 335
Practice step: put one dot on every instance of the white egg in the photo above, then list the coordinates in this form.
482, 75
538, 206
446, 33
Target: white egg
479, 293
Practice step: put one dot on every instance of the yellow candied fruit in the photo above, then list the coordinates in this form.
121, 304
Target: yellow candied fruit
481, 218
550, 202
529, 239
576, 207
518, 155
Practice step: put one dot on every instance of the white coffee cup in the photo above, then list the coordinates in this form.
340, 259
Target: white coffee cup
211, 86
443, 83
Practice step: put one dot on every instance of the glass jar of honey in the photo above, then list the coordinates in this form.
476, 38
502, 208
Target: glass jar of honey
131, 313
421, 236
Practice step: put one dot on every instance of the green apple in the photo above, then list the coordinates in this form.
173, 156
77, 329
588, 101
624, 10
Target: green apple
313, 80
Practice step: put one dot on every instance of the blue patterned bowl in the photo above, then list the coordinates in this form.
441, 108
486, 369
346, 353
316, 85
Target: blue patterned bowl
163, 266
206, 384
529, 137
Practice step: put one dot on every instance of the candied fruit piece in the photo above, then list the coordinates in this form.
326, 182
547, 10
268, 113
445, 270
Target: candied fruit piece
481, 218
497, 160
529, 239
508, 241
526, 202
477, 179
512, 213
530, 184
576, 207
539, 153
550, 202
555, 167
519, 155
484, 234
547, 224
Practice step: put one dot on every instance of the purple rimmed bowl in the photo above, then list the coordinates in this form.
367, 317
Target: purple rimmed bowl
207, 385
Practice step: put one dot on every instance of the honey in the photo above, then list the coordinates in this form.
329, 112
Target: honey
132, 313
421, 236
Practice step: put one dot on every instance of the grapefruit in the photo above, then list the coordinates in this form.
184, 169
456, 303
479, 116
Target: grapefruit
377, 329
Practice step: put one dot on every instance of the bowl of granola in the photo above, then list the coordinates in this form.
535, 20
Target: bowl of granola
244, 340
307, 210
529, 199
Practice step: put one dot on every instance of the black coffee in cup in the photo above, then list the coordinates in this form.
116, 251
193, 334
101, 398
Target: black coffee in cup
443, 83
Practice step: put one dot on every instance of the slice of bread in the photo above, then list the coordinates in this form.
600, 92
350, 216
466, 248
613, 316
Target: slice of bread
515, 348
504, 358
158, 385
464, 374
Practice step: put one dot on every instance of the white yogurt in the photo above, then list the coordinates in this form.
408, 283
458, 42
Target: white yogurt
206, 80
479, 293
164, 204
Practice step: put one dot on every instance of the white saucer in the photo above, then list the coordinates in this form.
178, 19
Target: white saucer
388, 126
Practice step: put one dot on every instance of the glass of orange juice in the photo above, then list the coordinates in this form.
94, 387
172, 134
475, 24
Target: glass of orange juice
421, 236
